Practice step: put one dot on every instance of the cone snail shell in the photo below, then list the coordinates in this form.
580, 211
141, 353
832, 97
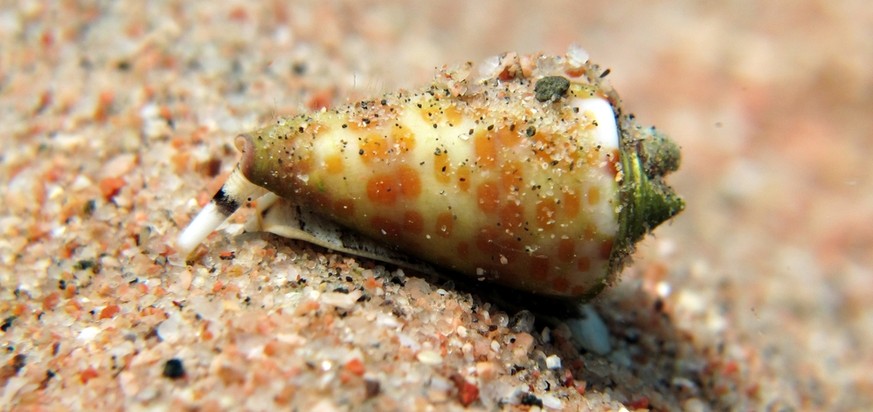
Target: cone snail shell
526, 173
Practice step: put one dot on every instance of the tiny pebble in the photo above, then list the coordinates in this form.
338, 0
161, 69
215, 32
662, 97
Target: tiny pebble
589, 331
552, 402
89, 333
531, 400
694, 405
577, 55
553, 362
663, 289
169, 329
341, 300
551, 88
681, 382
372, 387
523, 321
174, 369
429, 357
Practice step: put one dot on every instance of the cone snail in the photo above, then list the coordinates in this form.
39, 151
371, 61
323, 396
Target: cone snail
522, 171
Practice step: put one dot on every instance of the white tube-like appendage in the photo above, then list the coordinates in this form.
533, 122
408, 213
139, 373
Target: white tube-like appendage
206, 221
235, 191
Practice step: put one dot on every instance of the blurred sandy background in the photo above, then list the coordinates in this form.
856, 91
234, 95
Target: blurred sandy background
118, 117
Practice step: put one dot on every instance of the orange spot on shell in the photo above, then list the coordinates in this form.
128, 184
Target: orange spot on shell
560, 285
508, 248
427, 115
464, 178
319, 200
486, 151
387, 188
375, 148
507, 138
382, 189
592, 158
570, 205
511, 178
583, 264
463, 250
485, 240
385, 227
544, 146
539, 267
344, 207
488, 197
512, 215
442, 168
497, 246
301, 166
410, 182
566, 250
546, 212
444, 224
590, 232
593, 195
334, 164
606, 248
612, 162
413, 222
453, 115
404, 139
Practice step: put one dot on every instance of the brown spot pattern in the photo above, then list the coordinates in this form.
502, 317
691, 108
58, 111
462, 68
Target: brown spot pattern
444, 224
413, 223
486, 151
488, 197
566, 250
512, 215
546, 210
333, 164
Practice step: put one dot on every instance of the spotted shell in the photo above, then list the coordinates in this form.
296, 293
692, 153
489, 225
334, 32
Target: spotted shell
524, 172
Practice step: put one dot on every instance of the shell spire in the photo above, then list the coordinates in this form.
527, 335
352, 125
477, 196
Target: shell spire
526, 174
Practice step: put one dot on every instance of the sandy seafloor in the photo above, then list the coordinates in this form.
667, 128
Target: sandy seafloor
117, 121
